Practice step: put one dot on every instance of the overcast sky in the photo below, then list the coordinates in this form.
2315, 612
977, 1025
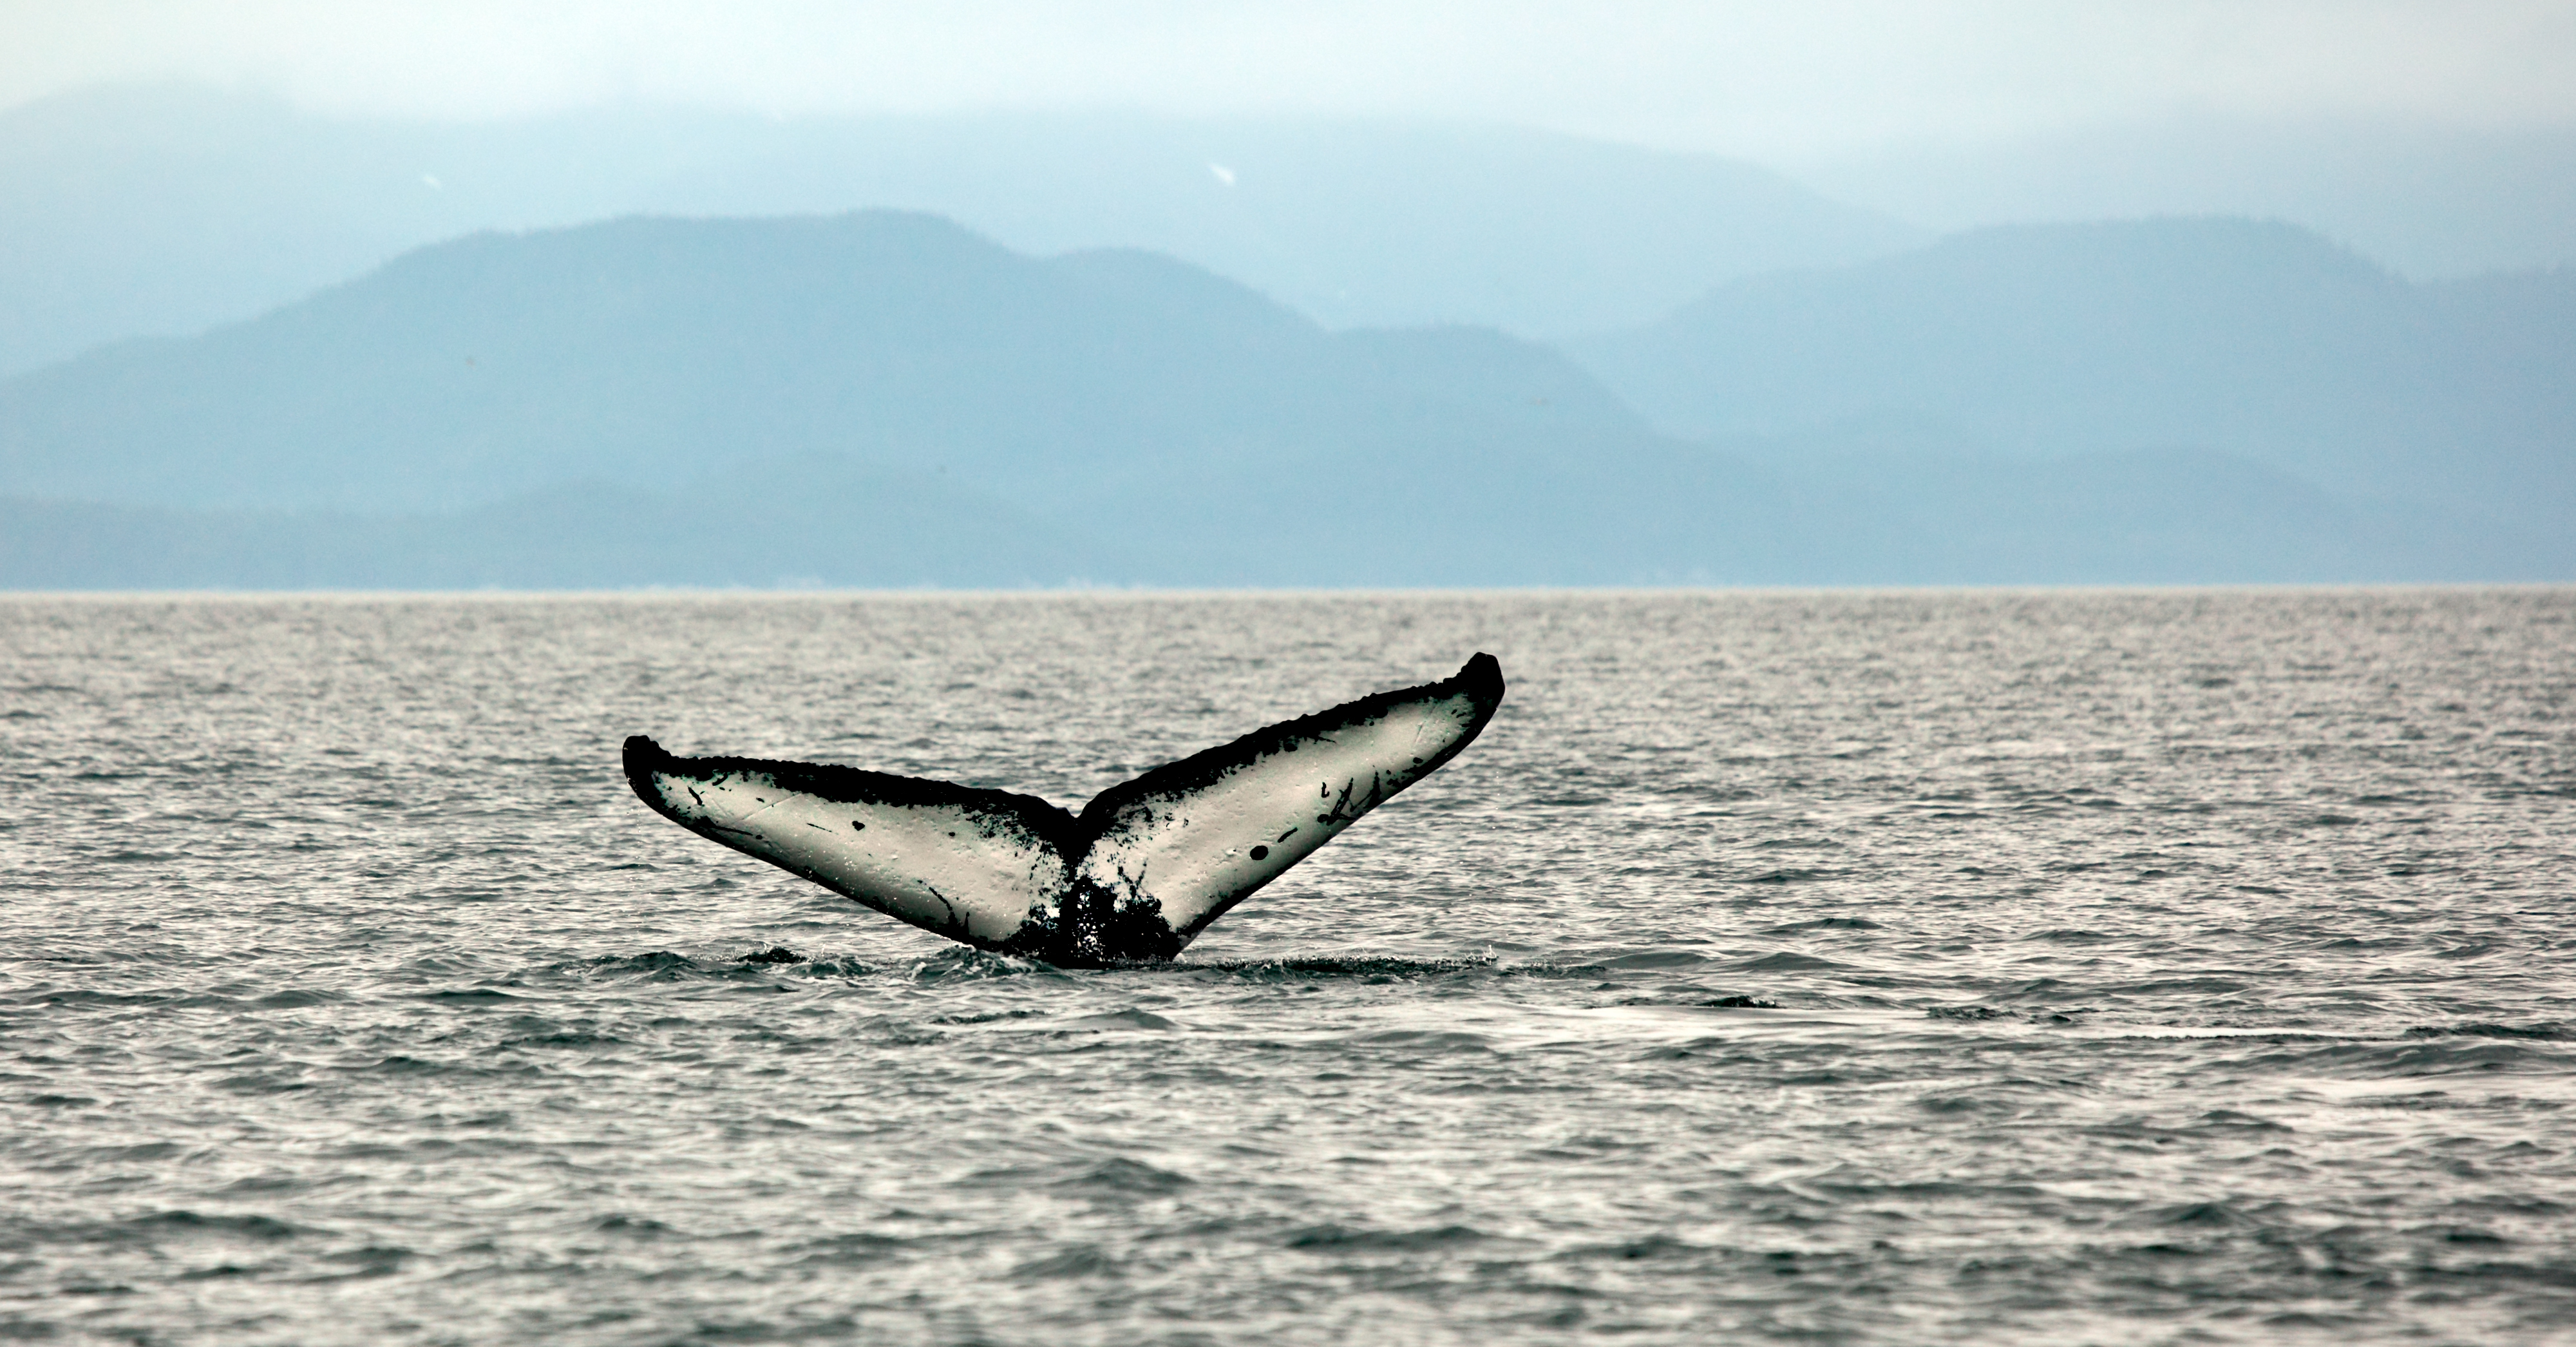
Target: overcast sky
1768, 80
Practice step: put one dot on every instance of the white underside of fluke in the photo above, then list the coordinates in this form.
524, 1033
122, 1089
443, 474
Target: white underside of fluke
1146, 866
1197, 851
934, 865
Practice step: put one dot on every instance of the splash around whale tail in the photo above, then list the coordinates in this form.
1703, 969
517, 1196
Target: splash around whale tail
1136, 876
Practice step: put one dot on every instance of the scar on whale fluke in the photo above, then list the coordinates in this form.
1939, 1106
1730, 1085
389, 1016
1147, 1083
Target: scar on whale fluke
1136, 876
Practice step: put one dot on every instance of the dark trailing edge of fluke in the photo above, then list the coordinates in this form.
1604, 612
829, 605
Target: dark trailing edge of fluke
1136, 876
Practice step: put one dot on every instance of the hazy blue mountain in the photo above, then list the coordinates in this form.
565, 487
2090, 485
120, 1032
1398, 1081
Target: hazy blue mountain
1693, 518
838, 524
1182, 427
160, 211
886, 399
1923, 504
2430, 199
651, 351
2257, 340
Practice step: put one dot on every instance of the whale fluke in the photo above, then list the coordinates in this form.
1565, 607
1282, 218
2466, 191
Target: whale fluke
1136, 876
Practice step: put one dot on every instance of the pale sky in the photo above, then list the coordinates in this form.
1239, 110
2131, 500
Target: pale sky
1767, 80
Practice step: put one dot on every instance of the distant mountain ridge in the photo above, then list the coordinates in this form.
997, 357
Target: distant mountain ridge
2431, 199
163, 210
652, 351
840, 524
886, 398
2258, 339
1182, 428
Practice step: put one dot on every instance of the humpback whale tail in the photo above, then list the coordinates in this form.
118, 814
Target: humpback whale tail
1137, 875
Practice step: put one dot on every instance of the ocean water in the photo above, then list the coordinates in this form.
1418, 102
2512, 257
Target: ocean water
1838, 968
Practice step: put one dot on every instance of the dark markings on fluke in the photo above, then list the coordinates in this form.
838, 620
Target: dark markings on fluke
1144, 868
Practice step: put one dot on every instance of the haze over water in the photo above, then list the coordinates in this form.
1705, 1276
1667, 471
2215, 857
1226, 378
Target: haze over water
1899, 967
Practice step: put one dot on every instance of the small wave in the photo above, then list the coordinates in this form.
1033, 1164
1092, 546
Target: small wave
2514, 1205
1376, 969
963, 964
1690, 1051
1343, 1237
1080, 1261
399, 1065
480, 1066
985, 1017
373, 1260
149, 1150
2410, 1056
1118, 1174
2231, 1120
298, 998
1857, 1183
368, 1150
2216, 1123
860, 1248
1425, 1040
79, 996
1788, 961
1117, 1019
2215, 1215
1638, 1250
2212, 986
253, 1083
1656, 958
165, 1223
636, 1227
2547, 1030
2062, 1016
1955, 1105
825, 966
659, 961
564, 1039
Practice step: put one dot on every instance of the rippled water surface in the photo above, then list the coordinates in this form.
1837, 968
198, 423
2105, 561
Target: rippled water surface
2068, 967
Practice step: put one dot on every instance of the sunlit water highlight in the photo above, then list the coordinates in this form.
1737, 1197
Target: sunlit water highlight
1850, 968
